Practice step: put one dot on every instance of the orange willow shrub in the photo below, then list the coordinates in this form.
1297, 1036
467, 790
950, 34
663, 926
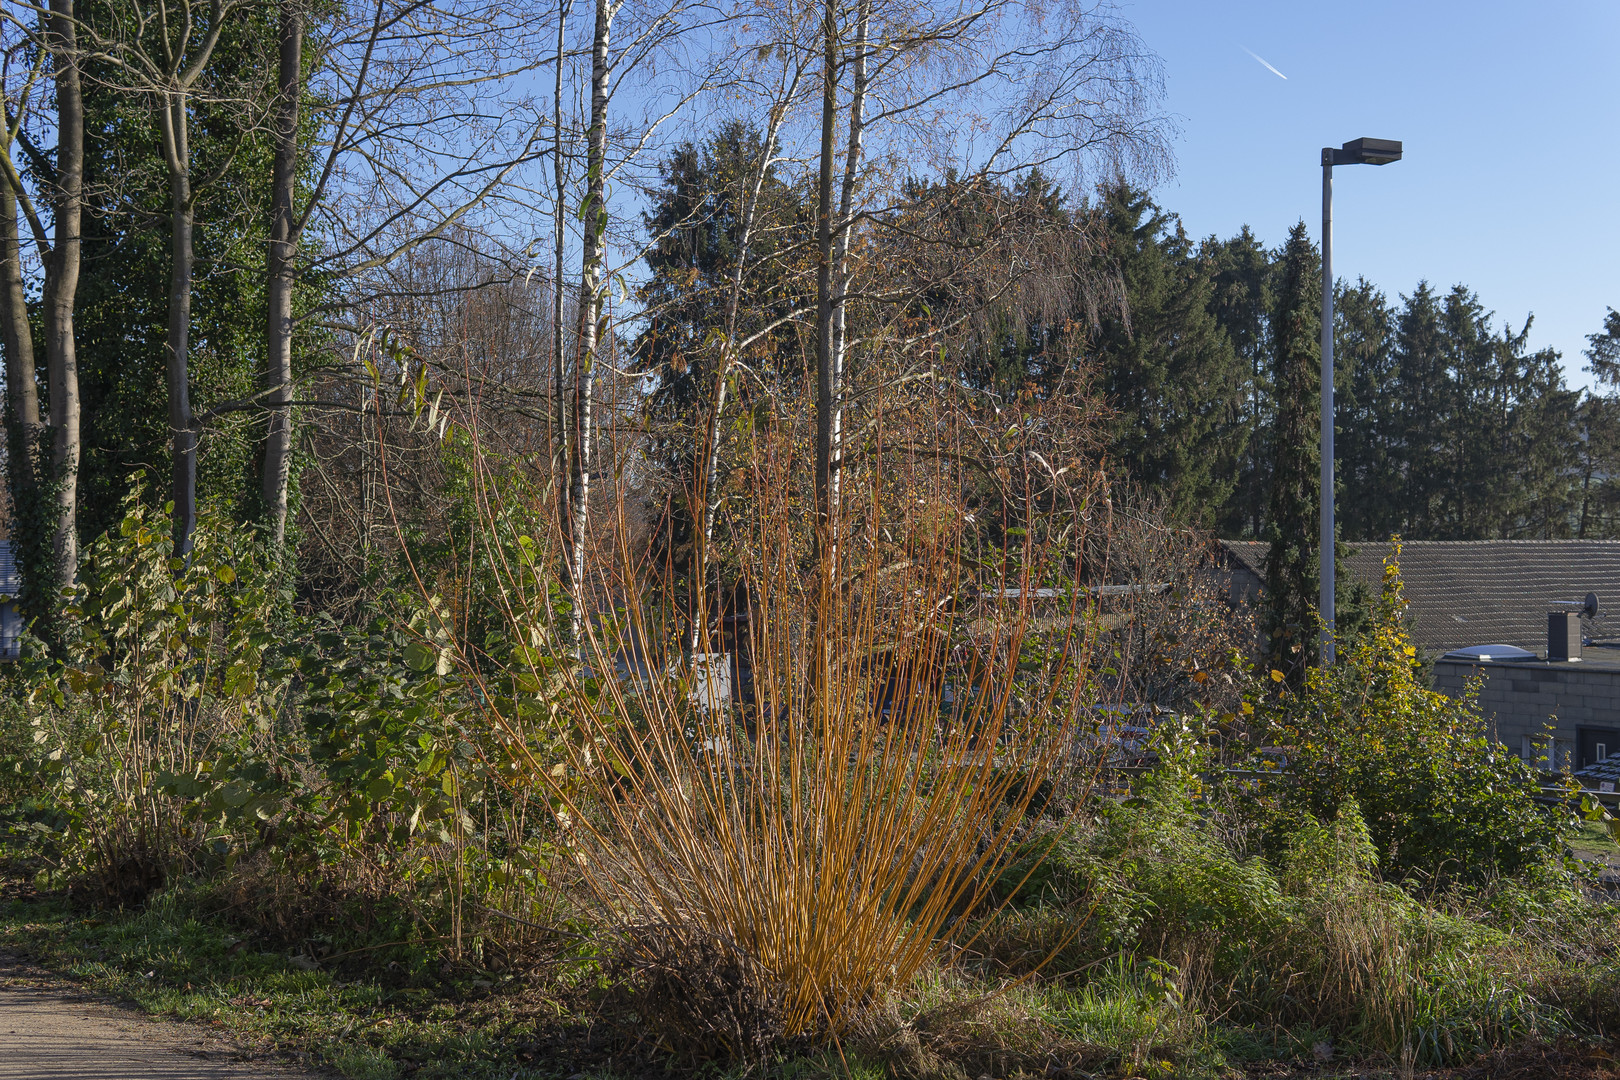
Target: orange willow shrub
771, 870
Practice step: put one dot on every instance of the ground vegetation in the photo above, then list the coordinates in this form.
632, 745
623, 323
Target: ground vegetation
644, 537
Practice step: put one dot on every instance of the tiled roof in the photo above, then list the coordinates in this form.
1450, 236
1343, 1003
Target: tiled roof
1486, 592
1607, 769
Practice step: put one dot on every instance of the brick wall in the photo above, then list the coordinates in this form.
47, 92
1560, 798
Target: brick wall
1521, 701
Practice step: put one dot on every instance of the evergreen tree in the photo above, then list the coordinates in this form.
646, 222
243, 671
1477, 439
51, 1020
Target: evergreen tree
1366, 398
1598, 468
1546, 444
1603, 350
1498, 454
1517, 428
1290, 618
1478, 423
1240, 299
1165, 364
1421, 412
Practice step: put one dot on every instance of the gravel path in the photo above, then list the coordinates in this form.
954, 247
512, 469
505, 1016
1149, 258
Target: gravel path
49, 1030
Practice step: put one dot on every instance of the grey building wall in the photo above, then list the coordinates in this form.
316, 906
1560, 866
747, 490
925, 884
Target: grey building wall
1520, 701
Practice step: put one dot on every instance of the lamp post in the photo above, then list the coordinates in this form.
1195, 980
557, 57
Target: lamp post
1359, 152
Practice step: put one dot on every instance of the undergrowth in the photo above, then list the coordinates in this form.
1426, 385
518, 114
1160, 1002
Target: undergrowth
397, 853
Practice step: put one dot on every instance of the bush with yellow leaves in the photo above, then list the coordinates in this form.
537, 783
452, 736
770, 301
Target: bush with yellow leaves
1443, 801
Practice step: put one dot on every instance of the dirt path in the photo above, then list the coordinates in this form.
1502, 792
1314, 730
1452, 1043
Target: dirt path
50, 1030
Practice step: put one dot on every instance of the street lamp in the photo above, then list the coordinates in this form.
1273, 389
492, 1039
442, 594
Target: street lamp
1359, 152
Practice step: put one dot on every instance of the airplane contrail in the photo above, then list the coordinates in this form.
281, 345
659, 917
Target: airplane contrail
1265, 65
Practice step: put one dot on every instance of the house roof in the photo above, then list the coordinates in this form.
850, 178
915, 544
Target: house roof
1607, 769
1485, 592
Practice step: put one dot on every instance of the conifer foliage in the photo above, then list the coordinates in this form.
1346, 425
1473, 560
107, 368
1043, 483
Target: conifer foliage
1166, 364
1291, 575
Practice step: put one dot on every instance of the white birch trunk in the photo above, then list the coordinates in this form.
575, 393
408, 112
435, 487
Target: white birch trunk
591, 307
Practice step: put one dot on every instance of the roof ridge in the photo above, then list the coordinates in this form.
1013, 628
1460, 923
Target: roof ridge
1451, 543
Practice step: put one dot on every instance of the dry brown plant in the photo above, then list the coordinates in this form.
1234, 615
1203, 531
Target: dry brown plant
773, 864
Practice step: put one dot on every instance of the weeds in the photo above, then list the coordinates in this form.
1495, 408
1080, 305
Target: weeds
902, 846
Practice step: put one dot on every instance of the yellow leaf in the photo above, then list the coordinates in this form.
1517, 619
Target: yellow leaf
1276, 676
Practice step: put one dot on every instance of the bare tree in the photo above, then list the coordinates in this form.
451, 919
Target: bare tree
281, 269
167, 54
988, 90
420, 124
16, 333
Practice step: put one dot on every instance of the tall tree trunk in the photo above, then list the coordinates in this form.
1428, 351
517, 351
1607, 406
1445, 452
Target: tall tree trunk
62, 285
182, 431
590, 296
30, 539
273, 481
840, 269
826, 388
560, 466
22, 391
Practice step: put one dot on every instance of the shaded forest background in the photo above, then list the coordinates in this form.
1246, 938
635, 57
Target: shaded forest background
430, 228
1449, 426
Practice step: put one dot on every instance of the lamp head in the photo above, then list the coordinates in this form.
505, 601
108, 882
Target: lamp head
1363, 152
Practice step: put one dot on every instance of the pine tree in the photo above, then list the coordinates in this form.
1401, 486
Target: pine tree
1290, 619
1599, 436
1423, 411
1240, 299
1603, 350
1166, 366
1366, 393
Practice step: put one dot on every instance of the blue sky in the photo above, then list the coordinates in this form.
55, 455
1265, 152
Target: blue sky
1510, 115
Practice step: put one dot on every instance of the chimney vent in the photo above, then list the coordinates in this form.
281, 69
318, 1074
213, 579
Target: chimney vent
1563, 635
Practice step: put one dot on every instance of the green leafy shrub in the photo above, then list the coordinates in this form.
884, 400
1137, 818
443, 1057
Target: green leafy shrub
161, 676
192, 719
1307, 940
1441, 799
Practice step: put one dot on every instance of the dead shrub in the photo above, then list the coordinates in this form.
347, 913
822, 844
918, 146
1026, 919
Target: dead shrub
704, 997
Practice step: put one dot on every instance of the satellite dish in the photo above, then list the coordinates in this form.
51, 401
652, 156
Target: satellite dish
1590, 608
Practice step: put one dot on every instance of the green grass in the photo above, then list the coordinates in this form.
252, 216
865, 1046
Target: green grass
1594, 838
401, 1013
377, 1026
390, 1019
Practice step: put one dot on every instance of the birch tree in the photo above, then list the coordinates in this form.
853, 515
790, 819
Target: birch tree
46, 39
657, 35
985, 90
